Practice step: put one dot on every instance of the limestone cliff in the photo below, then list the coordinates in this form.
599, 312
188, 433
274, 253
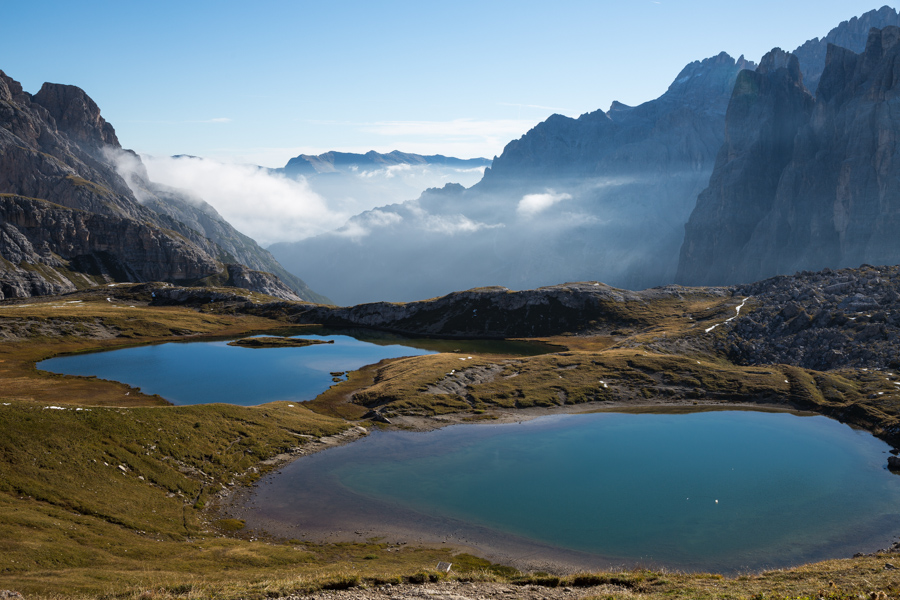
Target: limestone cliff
803, 183
68, 219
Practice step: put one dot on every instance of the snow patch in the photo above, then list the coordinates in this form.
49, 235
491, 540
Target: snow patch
736, 315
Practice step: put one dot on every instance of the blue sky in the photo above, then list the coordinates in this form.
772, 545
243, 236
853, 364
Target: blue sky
265, 81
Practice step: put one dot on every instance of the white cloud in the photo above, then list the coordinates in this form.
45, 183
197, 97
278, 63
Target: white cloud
453, 224
380, 218
389, 172
363, 225
532, 204
269, 208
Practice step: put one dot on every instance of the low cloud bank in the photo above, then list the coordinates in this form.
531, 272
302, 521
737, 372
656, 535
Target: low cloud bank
266, 206
271, 208
532, 204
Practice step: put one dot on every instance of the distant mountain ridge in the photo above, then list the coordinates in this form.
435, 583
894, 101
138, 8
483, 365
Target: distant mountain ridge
571, 200
604, 197
69, 219
332, 162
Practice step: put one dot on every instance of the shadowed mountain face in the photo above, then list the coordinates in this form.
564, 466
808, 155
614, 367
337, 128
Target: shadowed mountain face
601, 197
69, 219
803, 183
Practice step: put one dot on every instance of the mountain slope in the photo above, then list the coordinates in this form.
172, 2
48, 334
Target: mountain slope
69, 220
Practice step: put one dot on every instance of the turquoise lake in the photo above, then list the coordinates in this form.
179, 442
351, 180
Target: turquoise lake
721, 491
207, 372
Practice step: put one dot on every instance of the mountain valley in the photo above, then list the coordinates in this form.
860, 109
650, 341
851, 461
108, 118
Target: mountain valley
728, 247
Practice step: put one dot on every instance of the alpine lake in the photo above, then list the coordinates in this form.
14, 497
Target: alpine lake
699, 490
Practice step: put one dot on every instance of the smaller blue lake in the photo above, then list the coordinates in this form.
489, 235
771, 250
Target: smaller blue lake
213, 371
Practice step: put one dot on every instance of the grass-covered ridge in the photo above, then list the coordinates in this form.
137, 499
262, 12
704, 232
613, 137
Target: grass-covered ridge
114, 500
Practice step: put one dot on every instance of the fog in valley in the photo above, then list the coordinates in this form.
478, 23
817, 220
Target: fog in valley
602, 197
271, 206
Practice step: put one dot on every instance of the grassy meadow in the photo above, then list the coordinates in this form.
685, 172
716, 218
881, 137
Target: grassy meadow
109, 493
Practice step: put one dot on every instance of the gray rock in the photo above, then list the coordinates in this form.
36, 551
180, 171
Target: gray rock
802, 183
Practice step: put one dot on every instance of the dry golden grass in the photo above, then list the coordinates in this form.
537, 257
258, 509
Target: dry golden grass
75, 525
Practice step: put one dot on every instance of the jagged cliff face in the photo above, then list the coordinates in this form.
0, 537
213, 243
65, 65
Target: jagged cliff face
600, 197
69, 220
803, 184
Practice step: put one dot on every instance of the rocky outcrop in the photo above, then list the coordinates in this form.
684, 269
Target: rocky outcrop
803, 184
500, 313
259, 281
820, 320
53, 249
69, 220
76, 114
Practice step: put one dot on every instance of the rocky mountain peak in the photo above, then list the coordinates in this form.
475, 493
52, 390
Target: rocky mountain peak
76, 114
710, 78
777, 59
618, 106
880, 42
10, 89
852, 35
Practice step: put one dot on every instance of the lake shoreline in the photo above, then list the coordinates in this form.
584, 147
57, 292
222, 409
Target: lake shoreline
507, 549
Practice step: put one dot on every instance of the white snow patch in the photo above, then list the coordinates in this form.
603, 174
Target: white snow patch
737, 313
54, 407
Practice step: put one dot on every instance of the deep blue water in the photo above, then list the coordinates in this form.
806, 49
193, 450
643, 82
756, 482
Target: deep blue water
206, 372
720, 491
